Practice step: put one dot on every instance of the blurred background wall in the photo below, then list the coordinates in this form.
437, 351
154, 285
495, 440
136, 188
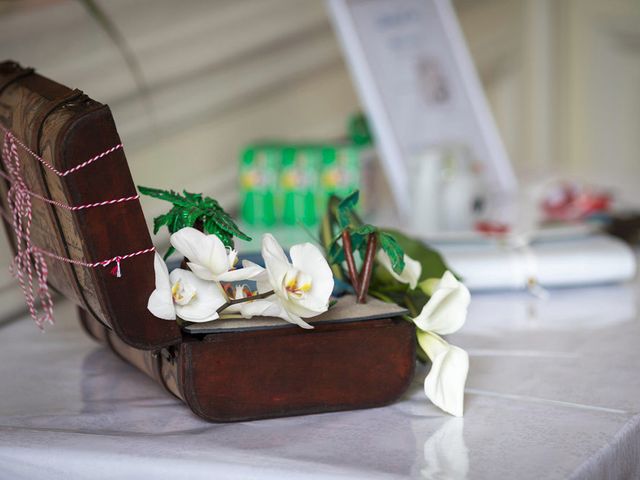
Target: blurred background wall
561, 76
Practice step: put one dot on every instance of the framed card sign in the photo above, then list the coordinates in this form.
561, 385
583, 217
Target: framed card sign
419, 87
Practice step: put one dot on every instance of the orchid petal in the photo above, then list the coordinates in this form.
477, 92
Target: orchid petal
201, 271
238, 293
204, 305
271, 308
275, 261
262, 278
309, 308
206, 251
444, 385
301, 288
160, 302
248, 272
307, 258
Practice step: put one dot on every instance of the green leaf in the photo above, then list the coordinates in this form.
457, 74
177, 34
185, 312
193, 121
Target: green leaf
166, 195
192, 216
226, 223
358, 129
393, 249
161, 221
433, 265
350, 201
336, 253
358, 243
190, 208
180, 219
346, 209
192, 197
210, 226
364, 230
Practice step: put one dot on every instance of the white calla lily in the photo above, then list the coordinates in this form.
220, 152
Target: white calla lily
208, 258
444, 384
446, 310
182, 294
411, 272
301, 287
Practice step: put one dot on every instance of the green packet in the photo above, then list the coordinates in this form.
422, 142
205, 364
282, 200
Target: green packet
289, 184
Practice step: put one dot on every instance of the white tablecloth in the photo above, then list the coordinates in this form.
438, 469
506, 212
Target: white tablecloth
553, 392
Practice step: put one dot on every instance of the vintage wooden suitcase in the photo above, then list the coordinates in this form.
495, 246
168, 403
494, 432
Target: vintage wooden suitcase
223, 376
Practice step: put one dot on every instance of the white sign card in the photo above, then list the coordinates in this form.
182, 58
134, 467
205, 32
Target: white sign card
418, 86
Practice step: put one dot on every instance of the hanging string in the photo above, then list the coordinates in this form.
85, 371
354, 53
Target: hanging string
29, 265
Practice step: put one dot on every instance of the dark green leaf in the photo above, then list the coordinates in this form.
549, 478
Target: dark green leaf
167, 195
358, 242
161, 221
365, 229
336, 252
226, 223
346, 209
190, 208
433, 265
393, 249
350, 201
192, 197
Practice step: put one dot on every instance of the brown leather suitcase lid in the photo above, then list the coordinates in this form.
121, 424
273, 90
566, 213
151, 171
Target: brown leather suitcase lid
66, 128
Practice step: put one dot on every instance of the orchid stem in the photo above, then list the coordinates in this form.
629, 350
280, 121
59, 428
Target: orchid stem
367, 267
245, 299
351, 263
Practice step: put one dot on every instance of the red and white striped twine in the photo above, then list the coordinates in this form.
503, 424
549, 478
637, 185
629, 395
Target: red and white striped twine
74, 208
29, 261
51, 167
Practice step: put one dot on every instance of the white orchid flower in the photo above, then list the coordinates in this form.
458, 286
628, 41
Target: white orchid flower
161, 300
301, 287
446, 310
444, 384
236, 292
182, 294
411, 272
208, 258
261, 307
269, 307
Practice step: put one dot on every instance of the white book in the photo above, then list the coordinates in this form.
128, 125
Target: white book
548, 262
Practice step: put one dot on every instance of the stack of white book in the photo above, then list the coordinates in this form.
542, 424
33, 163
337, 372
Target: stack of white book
549, 261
